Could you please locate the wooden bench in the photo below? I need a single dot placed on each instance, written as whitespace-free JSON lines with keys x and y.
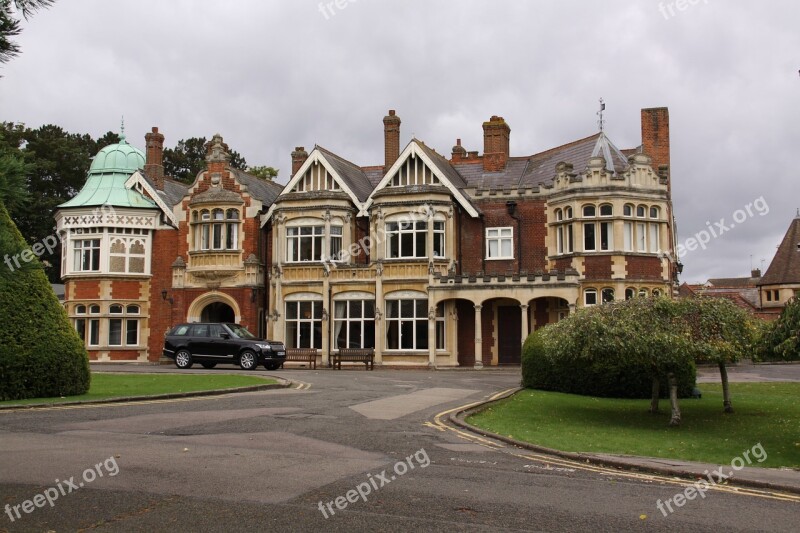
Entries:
{"x":351,"y":355}
{"x":302,"y":355}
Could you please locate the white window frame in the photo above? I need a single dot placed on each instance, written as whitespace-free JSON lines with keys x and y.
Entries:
{"x":496,"y":235}
{"x":586,"y":294}
{"x":418,"y":316}
{"x":342,"y":315}
{"x":440,"y":234}
{"x":399,"y":230}
{"x":314,"y":321}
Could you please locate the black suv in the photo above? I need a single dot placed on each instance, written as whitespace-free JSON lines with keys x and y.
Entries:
{"x":212,"y":343}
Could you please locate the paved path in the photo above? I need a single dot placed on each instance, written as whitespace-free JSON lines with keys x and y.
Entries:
{"x":356,"y":451}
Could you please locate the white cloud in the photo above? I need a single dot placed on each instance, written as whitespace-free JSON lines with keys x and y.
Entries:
{"x":271,"y":75}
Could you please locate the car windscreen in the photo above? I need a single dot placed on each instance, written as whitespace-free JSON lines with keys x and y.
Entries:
{"x":241,"y":331}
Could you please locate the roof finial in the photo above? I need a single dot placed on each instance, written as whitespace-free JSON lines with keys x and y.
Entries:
{"x":122,"y":130}
{"x":601,"y":122}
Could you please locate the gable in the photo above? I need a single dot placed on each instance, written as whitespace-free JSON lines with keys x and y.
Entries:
{"x":415,"y":167}
{"x":316,"y":178}
{"x":138,"y":182}
{"x":316,"y":174}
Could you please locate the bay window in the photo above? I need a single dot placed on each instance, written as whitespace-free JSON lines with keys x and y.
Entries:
{"x":407,"y":324}
{"x":354,"y":324}
{"x":304,"y":324}
{"x":407,"y":239}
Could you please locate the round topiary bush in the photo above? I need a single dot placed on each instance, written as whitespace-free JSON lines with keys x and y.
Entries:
{"x":614,"y":350}
{"x":41,"y":354}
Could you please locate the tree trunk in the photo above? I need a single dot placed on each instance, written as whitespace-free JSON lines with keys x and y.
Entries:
{"x":656,"y":393}
{"x":726,"y":391}
{"x":673,"y":400}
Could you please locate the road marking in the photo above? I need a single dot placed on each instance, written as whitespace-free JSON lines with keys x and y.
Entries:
{"x":440,"y":425}
{"x":394,"y":407}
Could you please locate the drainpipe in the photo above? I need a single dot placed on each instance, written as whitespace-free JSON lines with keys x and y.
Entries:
{"x":483,"y":245}
{"x":511,"y":206}
{"x":460,"y":243}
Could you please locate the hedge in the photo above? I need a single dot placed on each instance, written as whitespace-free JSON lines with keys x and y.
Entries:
{"x":41,"y":354}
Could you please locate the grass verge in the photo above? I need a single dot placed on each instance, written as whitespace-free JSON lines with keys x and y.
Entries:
{"x":106,"y":386}
{"x":768,"y":413}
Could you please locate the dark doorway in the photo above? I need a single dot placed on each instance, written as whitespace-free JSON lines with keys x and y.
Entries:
{"x":217,"y":312}
{"x":509,"y":335}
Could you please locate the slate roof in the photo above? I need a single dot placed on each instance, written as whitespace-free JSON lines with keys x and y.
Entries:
{"x":734,"y":283}
{"x":519,"y":172}
{"x":266,"y":191}
{"x":173,"y":192}
{"x":354,"y":176}
{"x":785,"y":266}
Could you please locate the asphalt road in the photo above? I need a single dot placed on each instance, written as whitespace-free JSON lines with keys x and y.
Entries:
{"x":278,"y":460}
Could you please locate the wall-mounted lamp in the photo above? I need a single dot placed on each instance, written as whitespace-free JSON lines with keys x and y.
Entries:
{"x":171,"y":300}
{"x":253,"y":293}
{"x":679,"y":266}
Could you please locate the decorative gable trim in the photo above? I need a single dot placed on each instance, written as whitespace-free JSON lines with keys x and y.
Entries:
{"x":137,"y":180}
{"x":316,"y":157}
{"x":413,"y":150}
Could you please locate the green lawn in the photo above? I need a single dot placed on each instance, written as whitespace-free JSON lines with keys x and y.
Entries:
{"x":768,"y":413}
{"x":106,"y":386}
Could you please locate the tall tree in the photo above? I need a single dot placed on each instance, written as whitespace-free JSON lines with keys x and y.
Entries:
{"x":56,"y":163}
{"x":10,"y":11}
{"x":188,"y":158}
{"x":263,"y":172}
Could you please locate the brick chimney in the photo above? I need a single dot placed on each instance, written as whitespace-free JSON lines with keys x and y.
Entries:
{"x":755,"y":273}
{"x":154,"y":158}
{"x":391,"y":138}
{"x":299,"y":157}
{"x":655,"y":139}
{"x":496,"y":136}
{"x":459,"y":152}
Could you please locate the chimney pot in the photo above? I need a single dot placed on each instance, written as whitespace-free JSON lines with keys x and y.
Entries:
{"x":496,"y":144}
{"x":154,"y":158}
{"x":299,"y":157}
{"x":391,"y":138}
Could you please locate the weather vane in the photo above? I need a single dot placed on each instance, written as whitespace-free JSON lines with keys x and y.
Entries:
{"x":122,"y":128}
{"x":601,"y":122}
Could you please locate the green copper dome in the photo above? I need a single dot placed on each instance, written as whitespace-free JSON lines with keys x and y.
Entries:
{"x":105,"y":184}
{"x":117,"y":158}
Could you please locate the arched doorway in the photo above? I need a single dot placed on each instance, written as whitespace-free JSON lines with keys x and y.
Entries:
{"x":217,"y":312}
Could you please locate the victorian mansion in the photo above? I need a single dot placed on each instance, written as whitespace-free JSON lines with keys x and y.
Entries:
{"x":431,"y":260}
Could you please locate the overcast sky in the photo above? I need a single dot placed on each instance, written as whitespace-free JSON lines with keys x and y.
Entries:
{"x":272,"y":75}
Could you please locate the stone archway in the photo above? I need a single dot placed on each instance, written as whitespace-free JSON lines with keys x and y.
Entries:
{"x":203,"y":308}
{"x":217,"y":312}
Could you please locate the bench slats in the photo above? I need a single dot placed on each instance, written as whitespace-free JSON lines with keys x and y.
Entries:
{"x":352,"y":355}
{"x":304,"y":355}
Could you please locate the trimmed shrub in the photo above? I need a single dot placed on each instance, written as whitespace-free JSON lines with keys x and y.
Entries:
{"x":593,"y":378}
{"x":613,"y":350}
{"x":780,"y":340}
{"x":41,"y":354}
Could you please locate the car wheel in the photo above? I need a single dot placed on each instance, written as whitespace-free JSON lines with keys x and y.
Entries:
{"x":183,"y":359}
{"x":272,"y":365}
{"x":248,"y":361}
{"x":209,"y":365}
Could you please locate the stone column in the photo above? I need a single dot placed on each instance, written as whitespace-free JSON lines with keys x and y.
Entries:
{"x":478,"y":340}
{"x":432,"y":337}
{"x":525,"y":323}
